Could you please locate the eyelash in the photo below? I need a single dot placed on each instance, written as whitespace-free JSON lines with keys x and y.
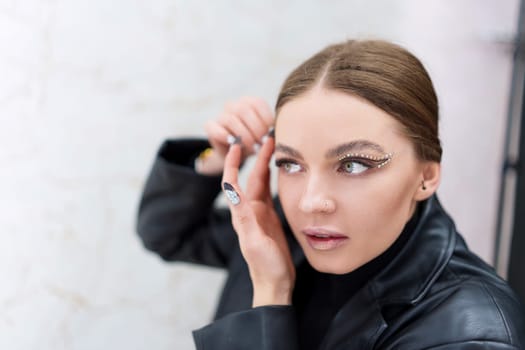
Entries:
{"x":352,"y":160}
{"x":365,"y":162}
{"x":282,"y":162}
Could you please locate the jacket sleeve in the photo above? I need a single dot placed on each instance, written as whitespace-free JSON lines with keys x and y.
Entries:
{"x":176,"y":216}
{"x":262,"y":328}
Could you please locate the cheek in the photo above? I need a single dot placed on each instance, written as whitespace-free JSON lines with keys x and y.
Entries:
{"x":365,"y":202}
{"x":383,"y":202}
{"x":374,"y":209}
{"x":289,"y":192}
{"x":382,"y":213}
{"x":399,"y":188}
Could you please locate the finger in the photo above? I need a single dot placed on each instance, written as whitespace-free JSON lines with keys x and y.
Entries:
{"x":242,"y":217}
{"x":232,"y":163}
{"x":235,"y":126}
{"x":255,"y":115}
{"x":259,"y":180}
{"x":256,"y":127}
{"x":217,"y":135}
{"x":251,"y":120}
{"x":263,"y":110}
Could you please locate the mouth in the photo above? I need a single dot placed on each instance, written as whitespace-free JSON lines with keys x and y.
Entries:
{"x":324,"y":239}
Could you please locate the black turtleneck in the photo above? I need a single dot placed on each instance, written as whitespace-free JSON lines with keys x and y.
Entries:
{"x":319,"y":296}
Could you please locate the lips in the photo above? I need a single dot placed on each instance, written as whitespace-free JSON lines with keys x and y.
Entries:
{"x":324,"y":239}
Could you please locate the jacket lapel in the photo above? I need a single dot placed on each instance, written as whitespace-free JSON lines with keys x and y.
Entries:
{"x":357,"y":325}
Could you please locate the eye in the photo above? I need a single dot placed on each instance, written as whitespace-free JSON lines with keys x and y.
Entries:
{"x":353,"y":167}
{"x":288,"y":166}
{"x":291,"y":168}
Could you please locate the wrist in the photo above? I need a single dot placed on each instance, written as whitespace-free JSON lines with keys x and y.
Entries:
{"x":271,"y":296}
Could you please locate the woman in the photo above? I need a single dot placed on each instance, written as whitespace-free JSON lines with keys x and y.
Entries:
{"x":356,"y":252}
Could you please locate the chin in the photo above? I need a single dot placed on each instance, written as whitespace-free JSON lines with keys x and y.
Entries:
{"x":331,"y":266}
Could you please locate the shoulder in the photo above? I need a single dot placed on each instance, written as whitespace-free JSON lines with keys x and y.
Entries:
{"x":464,"y":307}
{"x":483,"y":298}
{"x":480,"y":308}
{"x":443,"y":293}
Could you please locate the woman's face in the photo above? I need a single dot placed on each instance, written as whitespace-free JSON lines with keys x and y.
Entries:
{"x":347,"y":178}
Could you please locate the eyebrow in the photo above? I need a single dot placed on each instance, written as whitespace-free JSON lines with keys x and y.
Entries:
{"x":337,"y":151}
{"x":288,"y":150}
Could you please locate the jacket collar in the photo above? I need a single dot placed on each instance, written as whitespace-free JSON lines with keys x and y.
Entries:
{"x":411,"y":274}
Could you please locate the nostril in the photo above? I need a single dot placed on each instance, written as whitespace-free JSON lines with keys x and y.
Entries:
{"x":317,"y":205}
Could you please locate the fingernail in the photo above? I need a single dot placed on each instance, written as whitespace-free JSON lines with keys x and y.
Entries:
{"x":256,"y":147}
{"x":233,"y":140}
{"x":270,"y":133}
{"x":231,"y":194}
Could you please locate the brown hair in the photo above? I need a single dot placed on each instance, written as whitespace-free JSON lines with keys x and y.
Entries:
{"x":384,"y":74}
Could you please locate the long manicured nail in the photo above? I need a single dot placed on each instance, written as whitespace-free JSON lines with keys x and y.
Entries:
{"x":270,"y":133}
{"x":231,"y":194}
{"x":233,"y":140}
{"x":256,"y":147}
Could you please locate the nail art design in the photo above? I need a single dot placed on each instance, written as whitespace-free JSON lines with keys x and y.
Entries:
{"x":233,"y":140}
{"x":270,"y":133}
{"x":231,"y":194}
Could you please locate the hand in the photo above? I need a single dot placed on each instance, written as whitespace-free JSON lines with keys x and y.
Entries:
{"x":261,"y":237}
{"x":248,"y":118}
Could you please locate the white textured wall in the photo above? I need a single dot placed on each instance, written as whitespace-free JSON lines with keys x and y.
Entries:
{"x":89,"y":89}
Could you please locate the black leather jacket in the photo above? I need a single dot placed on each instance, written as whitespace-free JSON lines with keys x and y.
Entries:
{"x":435,"y":294}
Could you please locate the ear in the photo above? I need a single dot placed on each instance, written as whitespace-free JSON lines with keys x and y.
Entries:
{"x":429,"y":181}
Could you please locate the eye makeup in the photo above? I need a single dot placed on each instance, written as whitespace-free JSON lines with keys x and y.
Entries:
{"x":367,"y":160}
{"x":352,"y":164}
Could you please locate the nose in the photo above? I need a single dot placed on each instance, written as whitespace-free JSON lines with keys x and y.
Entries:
{"x":316,"y":197}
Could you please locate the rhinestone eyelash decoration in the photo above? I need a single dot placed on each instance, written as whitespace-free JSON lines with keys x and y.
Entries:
{"x":384,"y":160}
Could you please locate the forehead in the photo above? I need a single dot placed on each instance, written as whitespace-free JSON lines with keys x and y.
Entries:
{"x":321,"y":118}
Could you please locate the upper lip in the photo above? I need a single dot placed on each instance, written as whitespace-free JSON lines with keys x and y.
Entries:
{"x":321,"y":231}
